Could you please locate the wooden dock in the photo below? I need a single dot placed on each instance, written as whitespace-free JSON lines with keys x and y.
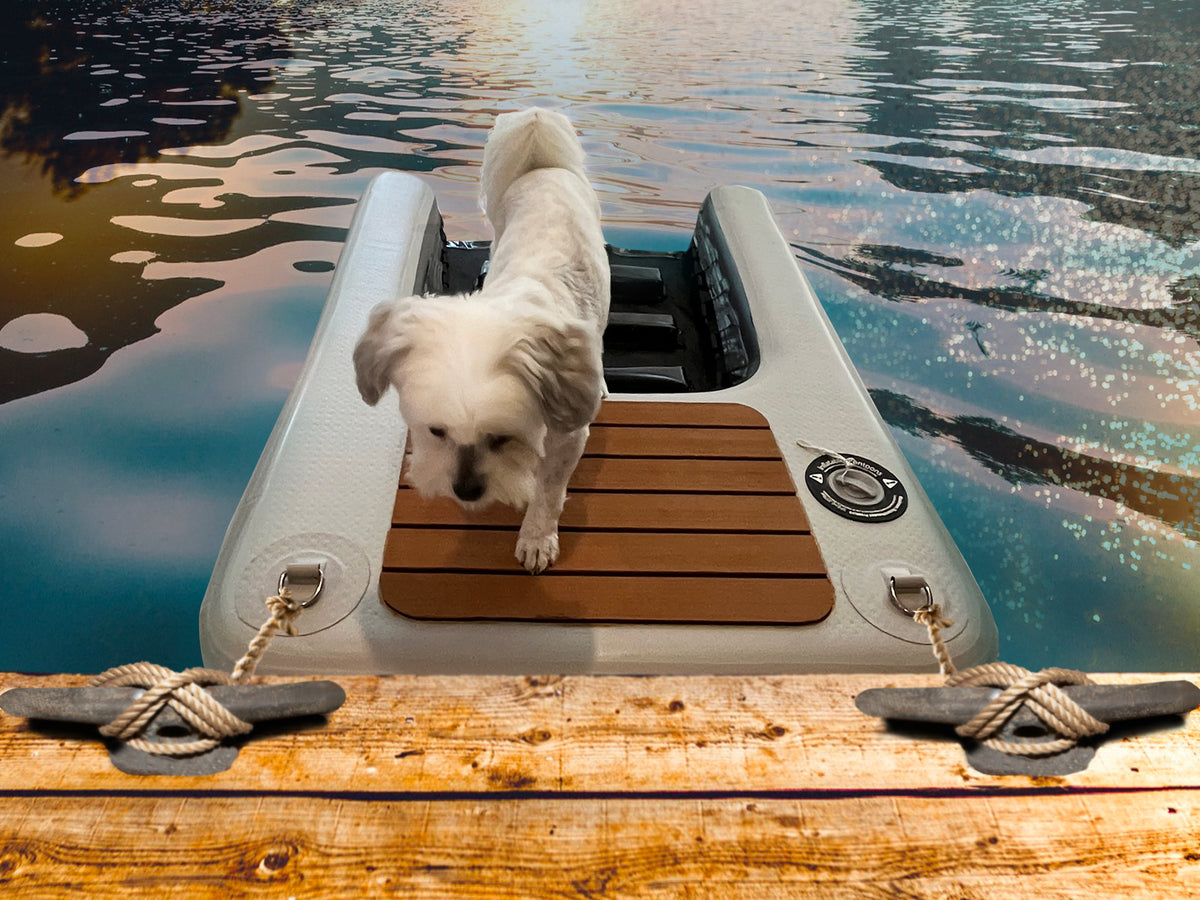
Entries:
{"x":600,"y":787}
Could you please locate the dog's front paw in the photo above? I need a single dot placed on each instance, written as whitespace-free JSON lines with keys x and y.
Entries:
{"x":537,"y":553}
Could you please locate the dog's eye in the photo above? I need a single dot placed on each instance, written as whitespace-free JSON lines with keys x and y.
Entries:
{"x":437,"y":431}
{"x":496,"y":441}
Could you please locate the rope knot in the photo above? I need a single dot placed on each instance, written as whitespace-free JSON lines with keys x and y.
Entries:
{"x":1037,"y":691}
{"x":284,"y":609}
{"x":931,"y":617}
{"x":184,"y":693}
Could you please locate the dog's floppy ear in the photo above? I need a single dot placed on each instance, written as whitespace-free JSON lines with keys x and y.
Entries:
{"x":380,"y":350}
{"x":561,"y":363}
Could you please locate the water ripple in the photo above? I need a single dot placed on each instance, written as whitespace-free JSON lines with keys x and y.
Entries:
{"x":999,"y":204}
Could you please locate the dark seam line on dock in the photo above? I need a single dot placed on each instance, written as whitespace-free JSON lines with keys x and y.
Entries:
{"x":578,"y":796}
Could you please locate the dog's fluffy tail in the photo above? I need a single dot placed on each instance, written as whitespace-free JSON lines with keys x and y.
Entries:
{"x":523,"y":141}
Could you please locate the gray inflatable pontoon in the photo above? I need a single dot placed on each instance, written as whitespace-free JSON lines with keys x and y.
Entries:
{"x":324,"y":490}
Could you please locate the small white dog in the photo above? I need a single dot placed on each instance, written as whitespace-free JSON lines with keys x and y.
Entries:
{"x":498,"y":387}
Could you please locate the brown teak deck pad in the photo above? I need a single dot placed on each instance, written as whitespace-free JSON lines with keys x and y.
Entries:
{"x":678,"y":512}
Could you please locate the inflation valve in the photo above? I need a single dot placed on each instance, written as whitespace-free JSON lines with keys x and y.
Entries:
{"x":856,"y":488}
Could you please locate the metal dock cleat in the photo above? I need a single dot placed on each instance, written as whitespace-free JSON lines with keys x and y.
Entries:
{"x":1026,"y":734}
{"x":174,"y":722}
{"x":161,"y":722}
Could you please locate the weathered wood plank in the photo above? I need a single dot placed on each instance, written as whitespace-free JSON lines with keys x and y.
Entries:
{"x":626,"y":598}
{"x":1140,"y":845}
{"x":629,"y":787}
{"x":464,"y":733}
{"x":609,"y":552}
{"x":646,"y":512}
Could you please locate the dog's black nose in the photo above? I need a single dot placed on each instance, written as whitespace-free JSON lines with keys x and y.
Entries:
{"x":468,"y":484}
{"x":469,"y":489}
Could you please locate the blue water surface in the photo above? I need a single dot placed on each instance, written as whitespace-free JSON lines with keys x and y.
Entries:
{"x":998,"y":204}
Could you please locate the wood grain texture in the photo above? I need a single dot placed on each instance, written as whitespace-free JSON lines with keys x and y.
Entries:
{"x":1045,"y":847}
{"x":718,"y":787}
{"x":595,"y":734}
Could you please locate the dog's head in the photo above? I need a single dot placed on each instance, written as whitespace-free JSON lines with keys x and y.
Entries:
{"x":479,"y":385}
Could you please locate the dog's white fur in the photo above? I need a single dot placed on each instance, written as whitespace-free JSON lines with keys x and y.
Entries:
{"x":498,"y":387}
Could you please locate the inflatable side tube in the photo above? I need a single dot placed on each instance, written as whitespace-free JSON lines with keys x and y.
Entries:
{"x":326,"y":479}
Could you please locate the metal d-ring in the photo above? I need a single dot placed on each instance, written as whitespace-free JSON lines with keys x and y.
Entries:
{"x":305,"y":574}
{"x":909,"y":584}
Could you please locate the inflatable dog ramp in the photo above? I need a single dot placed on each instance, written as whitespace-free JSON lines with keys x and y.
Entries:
{"x":741,"y":506}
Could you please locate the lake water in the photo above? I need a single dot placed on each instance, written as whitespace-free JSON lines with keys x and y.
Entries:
{"x":998,"y":204}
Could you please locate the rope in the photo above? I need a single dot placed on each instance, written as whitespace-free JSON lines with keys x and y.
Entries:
{"x":184,"y":692}
{"x":823,"y":451}
{"x":931,"y":617}
{"x":1039,"y":691}
{"x":283,"y":610}
{"x":847,"y":463}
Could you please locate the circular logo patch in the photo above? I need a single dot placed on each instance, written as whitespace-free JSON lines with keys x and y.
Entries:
{"x":862,"y":491}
